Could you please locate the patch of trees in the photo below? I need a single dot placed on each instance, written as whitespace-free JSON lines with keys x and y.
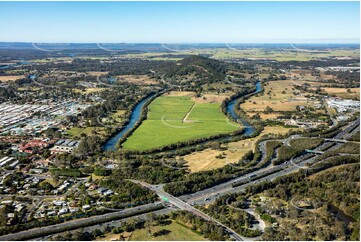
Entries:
{"x":335,"y":192}
{"x":126,"y":193}
{"x":68,"y":172}
{"x":88,"y":145}
{"x":298,"y":147}
{"x":207,"y":229}
{"x":235,"y":219}
{"x":7,"y":94}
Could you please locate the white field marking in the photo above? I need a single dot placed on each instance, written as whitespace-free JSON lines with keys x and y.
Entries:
{"x":232,"y":124}
{"x":174,"y":126}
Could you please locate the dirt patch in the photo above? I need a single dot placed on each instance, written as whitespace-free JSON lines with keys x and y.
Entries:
{"x":97,"y":73}
{"x":210,"y":98}
{"x":342,"y":92}
{"x":10,"y":78}
{"x":179,"y":94}
{"x":137,"y":79}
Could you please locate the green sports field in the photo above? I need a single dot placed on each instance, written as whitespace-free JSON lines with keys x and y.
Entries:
{"x":168,"y":123}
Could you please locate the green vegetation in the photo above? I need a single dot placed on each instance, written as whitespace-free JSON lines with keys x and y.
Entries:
{"x":70,"y":172}
{"x":168,"y":123}
{"x":169,"y":232}
{"x":350,"y":148}
{"x":298,"y":146}
{"x":271,"y":147}
{"x":79,"y":132}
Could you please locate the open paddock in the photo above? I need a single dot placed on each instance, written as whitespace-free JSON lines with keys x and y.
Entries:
{"x":207,"y":159}
{"x":137,"y":79}
{"x":10,"y":78}
{"x":346,"y":93}
{"x":279,"y":95}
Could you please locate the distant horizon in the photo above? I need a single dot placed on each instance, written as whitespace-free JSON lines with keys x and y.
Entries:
{"x":181,"y":43}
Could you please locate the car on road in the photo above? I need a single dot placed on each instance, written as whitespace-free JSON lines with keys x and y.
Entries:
{"x":207,"y":199}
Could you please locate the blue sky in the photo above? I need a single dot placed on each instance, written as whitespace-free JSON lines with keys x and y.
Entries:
{"x":175,"y":22}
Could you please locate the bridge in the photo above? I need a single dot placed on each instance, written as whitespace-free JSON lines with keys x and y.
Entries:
{"x":337,"y":140}
{"x":185,"y":206}
{"x":315,"y":152}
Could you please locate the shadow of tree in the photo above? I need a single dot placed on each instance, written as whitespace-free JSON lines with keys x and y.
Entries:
{"x":164,"y":222}
{"x":161,"y":232}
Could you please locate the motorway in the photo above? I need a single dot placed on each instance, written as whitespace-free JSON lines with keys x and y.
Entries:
{"x":199,"y":198}
{"x":185,"y":206}
{"x":83,"y":222}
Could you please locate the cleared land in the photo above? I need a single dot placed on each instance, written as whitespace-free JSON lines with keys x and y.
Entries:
{"x":10,"y":78}
{"x":293,"y":52}
{"x":207,"y":160}
{"x":278,"y":95}
{"x":170,"y":232}
{"x":164,"y":124}
{"x":343,"y":92}
{"x":90,"y":90}
{"x":137,"y":79}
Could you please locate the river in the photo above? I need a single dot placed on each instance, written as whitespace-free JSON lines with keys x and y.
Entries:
{"x":248,"y":129}
{"x":15,"y":64}
{"x":134,"y":117}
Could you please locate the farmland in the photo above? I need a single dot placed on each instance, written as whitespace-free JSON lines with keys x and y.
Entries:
{"x":173,"y":119}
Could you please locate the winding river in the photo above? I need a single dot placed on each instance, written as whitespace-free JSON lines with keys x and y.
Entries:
{"x":248,"y":129}
{"x":111,"y":143}
{"x":134,"y":117}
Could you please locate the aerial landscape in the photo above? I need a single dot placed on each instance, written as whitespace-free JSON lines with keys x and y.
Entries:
{"x":180,"y":121}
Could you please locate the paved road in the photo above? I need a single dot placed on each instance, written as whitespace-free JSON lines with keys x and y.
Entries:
{"x":113,"y":223}
{"x":84,"y":222}
{"x":185,"y":206}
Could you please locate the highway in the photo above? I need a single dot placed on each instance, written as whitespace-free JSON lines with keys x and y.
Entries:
{"x":79,"y":223}
{"x":185,"y":206}
{"x":187,"y":202}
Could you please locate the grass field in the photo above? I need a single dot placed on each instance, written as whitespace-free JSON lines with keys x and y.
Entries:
{"x":280,"y":98}
{"x":10,"y":78}
{"x":206,"y":159}
{"x":342,"y":92}
{"x":137,"y":79}
{"x":173,"y":119}
{"x":292,"y":52}
{"x":75,"y":131}
{"x":171,"y":232}
{"x":284,"y":54}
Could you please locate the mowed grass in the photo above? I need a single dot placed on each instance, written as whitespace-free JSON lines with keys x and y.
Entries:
{"x":165,"y":125}
{"x":171,"y":232}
